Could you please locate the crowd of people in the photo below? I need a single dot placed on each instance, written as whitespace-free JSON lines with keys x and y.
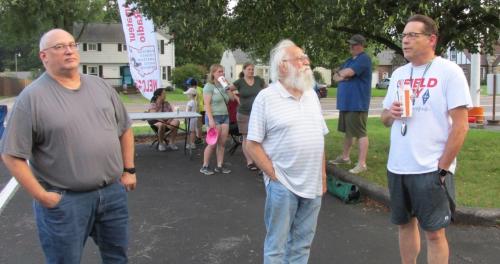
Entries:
{"x":86,"y":114}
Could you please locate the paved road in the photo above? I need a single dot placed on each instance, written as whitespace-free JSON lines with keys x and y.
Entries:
{"x":181,"y":216}
{"x":329,"y":106}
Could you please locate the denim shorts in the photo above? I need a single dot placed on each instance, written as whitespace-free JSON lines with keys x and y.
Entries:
{"x":219,"y":119}
{"x":422,"y":196}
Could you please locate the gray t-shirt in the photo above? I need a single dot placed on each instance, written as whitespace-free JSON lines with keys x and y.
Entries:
{"x":71,"y":137}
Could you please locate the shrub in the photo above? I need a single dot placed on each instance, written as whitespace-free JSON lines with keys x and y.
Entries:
{"x":182,"y":73}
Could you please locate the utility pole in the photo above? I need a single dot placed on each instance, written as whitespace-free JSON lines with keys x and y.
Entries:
{"x":17,"y":54}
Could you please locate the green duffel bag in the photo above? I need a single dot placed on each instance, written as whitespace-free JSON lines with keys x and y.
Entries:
{"x":347,"y":192}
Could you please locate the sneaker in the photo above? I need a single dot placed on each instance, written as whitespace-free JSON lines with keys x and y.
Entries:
{"x":173,"y":147}
{"x":162,"y":147}
{"x":190,"y":146}
{"x":206,"y":170}
{"x":222,"y":170}
{"x":358,"y":169}
{"x":339,"y":160}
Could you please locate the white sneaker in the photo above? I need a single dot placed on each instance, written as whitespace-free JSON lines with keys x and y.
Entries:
{"x":162,"y":147}
{"x":358,"y":169}
{"x":173,"y":147}
{"x":190,"y":146}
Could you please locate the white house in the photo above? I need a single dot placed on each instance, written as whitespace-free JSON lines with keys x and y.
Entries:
{"x":326,"y":74}
{"x":233,"y":60}
{"x":103,"y":53}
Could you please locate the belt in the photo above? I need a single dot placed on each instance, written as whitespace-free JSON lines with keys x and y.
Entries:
{"x":103,"y":184}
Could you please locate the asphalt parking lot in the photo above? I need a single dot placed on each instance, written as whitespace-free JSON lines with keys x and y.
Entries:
{"x":181,"y":216}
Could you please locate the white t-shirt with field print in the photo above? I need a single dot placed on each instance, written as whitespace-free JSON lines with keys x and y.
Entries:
{"x":442,"y":88}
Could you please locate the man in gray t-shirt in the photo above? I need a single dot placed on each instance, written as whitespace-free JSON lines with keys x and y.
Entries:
{"x":77,"y":136}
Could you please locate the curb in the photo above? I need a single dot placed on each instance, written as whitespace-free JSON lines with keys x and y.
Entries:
{"x":463,"y":215}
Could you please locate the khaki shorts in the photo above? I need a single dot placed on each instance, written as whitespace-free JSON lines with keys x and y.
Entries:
{"x":353,"y":124}
{"x":243,"y":123}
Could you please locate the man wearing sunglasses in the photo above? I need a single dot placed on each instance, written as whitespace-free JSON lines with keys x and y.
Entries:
{"x":77,"y":136}
{"x":424,"y":145}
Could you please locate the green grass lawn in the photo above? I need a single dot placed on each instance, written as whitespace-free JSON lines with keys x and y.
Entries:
{"x":477,"y":178}
{"x":332,"y":92}
{"x":172,"y":96}
{"x":133,"y":99}
{"x":176,"y":96}
{"x":146,"y":129}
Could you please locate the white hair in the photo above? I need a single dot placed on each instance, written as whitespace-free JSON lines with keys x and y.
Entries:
{"x":277,"y":55}
{"x":300,"y":79}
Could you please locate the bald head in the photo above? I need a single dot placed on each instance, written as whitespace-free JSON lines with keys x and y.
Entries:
{"x":59,"y":53}
{"x":52,"y":36}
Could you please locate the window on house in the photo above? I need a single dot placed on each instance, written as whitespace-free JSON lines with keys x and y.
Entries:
{"x":122,"y":47}
{"x":92,"y":46}
{"x":163,"y":73}
{"x":93,"y":70}
{"x":169,"y":73}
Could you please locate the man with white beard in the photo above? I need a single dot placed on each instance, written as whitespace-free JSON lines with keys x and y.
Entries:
{"x":286,"y":141}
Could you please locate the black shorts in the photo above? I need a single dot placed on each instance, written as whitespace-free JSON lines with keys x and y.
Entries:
{"x":421,"y":196}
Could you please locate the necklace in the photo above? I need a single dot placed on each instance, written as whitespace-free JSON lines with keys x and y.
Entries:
{"x":415,"y":94}
{"x":419,"y":88}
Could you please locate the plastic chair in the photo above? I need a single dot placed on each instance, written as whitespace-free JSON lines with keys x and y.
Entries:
{"x":155,"y":142}
{"x":3,"y":115}
{"x":235,"y":136}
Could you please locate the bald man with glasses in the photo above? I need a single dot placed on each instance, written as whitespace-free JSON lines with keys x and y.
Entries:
{"x":77,"y":136}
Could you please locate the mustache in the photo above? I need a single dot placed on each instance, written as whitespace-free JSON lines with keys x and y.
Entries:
{"x":305,"y":69}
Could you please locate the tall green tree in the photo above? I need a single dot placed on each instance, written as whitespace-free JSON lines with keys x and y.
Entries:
{"x":198,"y":27}
{"x":322,"y":26}
{"x":23,"y":22}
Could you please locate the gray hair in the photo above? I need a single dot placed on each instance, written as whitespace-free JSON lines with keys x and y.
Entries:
{"x":43,"y":41}
{"x":277,"y":55}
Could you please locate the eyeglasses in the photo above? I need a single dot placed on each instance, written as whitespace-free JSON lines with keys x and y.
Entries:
{"x":62,"y":47}
{"x":303,"y":58}
{"x":413,"y":35}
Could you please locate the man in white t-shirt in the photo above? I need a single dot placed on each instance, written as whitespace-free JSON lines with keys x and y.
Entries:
{"x":286,"y":141}
{"x":424,"y":146}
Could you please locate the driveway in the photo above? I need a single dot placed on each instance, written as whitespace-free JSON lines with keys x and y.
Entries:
{"x":180,"y":216}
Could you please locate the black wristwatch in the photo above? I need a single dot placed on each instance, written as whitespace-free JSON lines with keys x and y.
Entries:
{"x":442,"y":172}
{"x":129,"y":170}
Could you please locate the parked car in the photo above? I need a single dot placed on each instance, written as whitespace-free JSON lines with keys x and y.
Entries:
{"x":383,"y":84}
{"x":321,"y":90}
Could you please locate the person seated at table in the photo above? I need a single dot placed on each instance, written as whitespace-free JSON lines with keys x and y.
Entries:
{"x":158,"y":104}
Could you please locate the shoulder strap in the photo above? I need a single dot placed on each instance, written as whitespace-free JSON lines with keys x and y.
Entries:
{"x":224,"y":98}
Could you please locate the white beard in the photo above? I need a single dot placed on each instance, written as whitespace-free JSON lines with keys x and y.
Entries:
{"x":300,"y":79}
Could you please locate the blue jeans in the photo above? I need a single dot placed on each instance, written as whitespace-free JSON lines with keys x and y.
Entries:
{"x":290,"y":223}
{"x":102,"y":214}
